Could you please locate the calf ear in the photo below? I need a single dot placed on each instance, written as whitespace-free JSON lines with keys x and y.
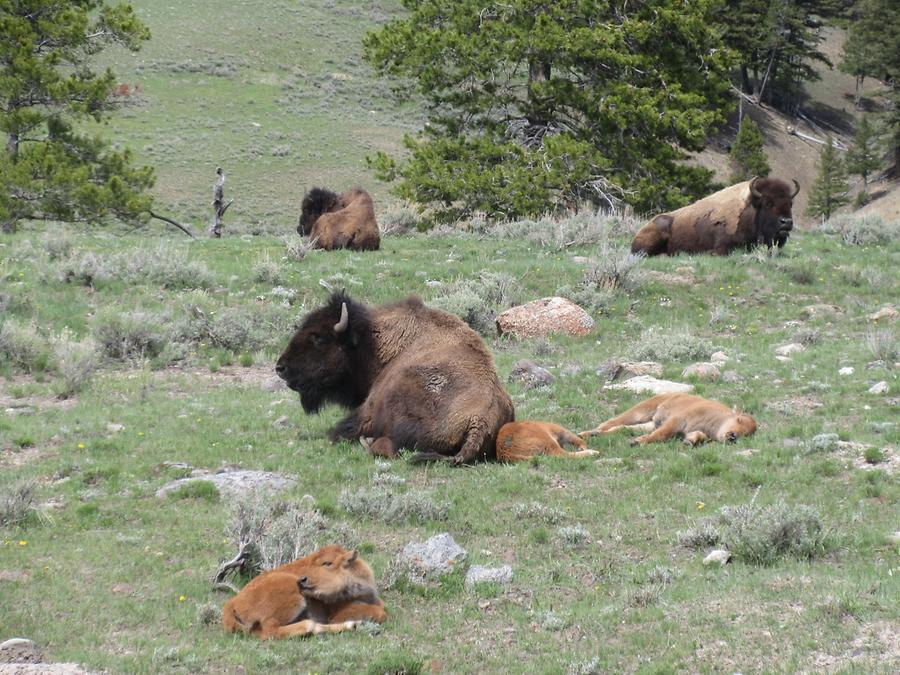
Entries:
{"x":352,"y":558}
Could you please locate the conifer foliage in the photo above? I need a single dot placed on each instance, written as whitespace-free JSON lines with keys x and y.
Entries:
{"x":829,"y":191}
{"x":748,"y":159}
{"x":49,"y":168}
{"x":535,"y":104}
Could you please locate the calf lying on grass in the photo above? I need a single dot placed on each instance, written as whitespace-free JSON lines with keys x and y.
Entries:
{"x":692,"y":418}
{"x":330,"y":591}
{"x":518,"y":441}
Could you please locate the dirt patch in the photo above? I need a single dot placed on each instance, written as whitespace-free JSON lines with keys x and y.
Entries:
{"x":875,"y":649}
{"x":795,"y":404}
{"x":854,"y":453}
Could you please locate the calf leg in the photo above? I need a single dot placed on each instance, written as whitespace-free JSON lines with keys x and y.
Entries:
{"x":695,"y":438}
{"x":566,"y":436}
{"x":663,"y":432}
{"x":379,"y":447}
{"x":306,"y":627}
{"x":359,"y":611}
{"x":639,"y":417}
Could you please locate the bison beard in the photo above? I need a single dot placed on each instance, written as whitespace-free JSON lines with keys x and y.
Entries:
{"x":415,"y":377}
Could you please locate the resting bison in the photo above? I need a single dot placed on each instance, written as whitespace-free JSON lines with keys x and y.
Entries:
{"x":330,"y":591}
{"x":519,"y":441}
{"x":743,"y":215}
{"x":415,"y":377}
{"x":346,"y":220}
{"x":693,"y":418}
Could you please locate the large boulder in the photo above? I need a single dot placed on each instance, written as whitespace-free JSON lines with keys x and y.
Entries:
{"x":646,"y":383}
{"x":543,"y":317}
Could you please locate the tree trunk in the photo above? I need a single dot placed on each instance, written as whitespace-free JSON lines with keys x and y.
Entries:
{"x":12,"y":144}
{"x":746,"y":85}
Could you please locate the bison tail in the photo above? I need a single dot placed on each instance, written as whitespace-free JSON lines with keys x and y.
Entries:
{"x":425,"y":457}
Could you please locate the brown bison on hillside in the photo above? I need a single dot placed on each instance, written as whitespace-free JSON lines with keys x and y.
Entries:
{"x":345,"y":220}
{"x":740,"y":216}
{"x":415,"y":377}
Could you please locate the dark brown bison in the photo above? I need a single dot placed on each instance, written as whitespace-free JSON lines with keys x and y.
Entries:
{"x":415,"y":377}
{"x":740,"y":216}
{"x":345,"y":220}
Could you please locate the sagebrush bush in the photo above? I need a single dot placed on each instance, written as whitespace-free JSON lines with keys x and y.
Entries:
{"x":296,"y":247}
{"x":883,"y":344}
{"x":267,"y":271}
{"x":18,"y":503}
{"x":398,"y":220}
{"x":164,"y":266}
{"x":389,"y":506}
{"x":862,"y":230}
{"x":77,"y":361}
{"x":57,"y":245}
{"x":672,"y":344}
{"x":87,"y":269}
{"x":24,"y":348}
{"x":538,"y":511}
{"x":126,"y":335}
{"x":560,"y":233}
{"x":479,"y":301}
{"x":762,"y":535}
{"x":574,"y":535}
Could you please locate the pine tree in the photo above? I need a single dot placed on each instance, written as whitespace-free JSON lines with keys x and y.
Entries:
{"x":49,"y":169}
{"x":748,"y":159}
{"x":863,"y":155}
{"x":541,"y":104}
{"x":829,"y":191}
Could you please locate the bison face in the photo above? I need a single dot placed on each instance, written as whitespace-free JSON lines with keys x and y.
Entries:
{"x":326,"y":359}
{"x":738,"y":426}
{"x":315,"y":202}
{"x":773,"y":200}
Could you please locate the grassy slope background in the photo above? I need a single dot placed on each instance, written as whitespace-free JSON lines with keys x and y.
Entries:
{"x":115,"y":578}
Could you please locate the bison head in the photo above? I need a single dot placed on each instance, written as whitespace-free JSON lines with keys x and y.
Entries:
{"x":315,"y":202}
{"x":773,"y":200}
{"x":329,"y":358}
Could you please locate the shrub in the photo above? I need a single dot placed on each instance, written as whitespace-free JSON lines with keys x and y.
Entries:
{"x":384,"y":504}
{"x":560,"y":233}
{"x":128,"y":335}
{"x":76,"y":364}
{"x":17,"y":503}
{"x":823,"y":443}
{"x":863,"y":230}
{"x":762,"y":535}
{"x":24,"y":348}
{"x":883,"y":344}
{"x":398,"y":220}
{"x":678,"y":344}
{"x":57,"y":245}
{"x":297,"y":247}
{"x":538,"y":511}
{"x":477,"y":302}
{"x":267,"y":271}
{"x":874,"y":455}
{"x":573,"y":536}
{"x":165,"y":266}
{"x":396,"y":663}
{"x":87,"y":269}
{"x":197,"y":489}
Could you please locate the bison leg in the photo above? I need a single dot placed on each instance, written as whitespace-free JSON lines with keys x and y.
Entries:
{"x":306,"y":627}
{"x":640,"y":417}
{"x":476,"y":435}
{"x":347,"y":429}
{"x":379,"y":447}
{"x":695,"y":438}
{"x":359,"y":611}
{"x":664,"y":432}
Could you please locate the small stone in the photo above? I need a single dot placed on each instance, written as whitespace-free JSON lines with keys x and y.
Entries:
{"x":702,"y":371}
{"x":274,"y":383}
{"x":749,"y":452}
{"x":14,"y":575}
{"x":886,"y":312}
{"x":815,"y":311}
{"x":879,"y":388}
{"x":282,"y":422}
{"x":114,"y":428}
{"x":792,"y":348}
{"x":645,"y":383}
{"x":438,"y":556}
{"x":731,"y":377}
{"x":623,"y":370}
{"x":433,"y":283}
{"x":123,"y":589}
{"x":719,"y":357}
{"x":894,"y":538}
{"x":531,"y":374}
{"x":846,"y":370}
{"x":478,"y":574}
{"x":718,"y":556}
{"x":781,"y":358}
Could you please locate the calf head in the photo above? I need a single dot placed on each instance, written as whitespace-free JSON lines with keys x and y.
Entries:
{"x":333,"y":574}
{"x":316,"y":202}
{"x":773,"y":200}
{"x":735,"y":427}
{"x":329,"y":357}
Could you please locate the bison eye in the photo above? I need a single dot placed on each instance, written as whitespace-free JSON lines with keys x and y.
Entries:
{"x":317,"y":340}
{"x":327,"y":563}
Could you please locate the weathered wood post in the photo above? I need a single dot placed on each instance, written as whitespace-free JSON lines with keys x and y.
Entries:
{"x":219,"y":205}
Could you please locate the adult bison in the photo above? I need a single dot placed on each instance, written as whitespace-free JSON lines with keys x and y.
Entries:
{"x":415,"y":377}
{"x":743,"y":215}
{"x":345,"y":220}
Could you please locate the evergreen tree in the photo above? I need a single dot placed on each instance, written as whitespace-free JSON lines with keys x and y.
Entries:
{"x":536,"y":104}
{"x":863,"y":155}
{"x":748,"y":159}
{"x":49,"y":169}
{"x":829,"y":191}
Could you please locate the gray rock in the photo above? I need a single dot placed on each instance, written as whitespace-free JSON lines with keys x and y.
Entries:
{"x":478,"y":574}
{"x":436,"y":557}
{"x":19,"y":650}
{"x":234,"y":482}
{"x":717,"y":557}
{"x":879,"y":388}
{"x":702,"y":371}
{"x":846,"y":370}
{"x":719,"y":358}
{"x":114,"y":428}
{"x":646,"y":383}
{"x":543,"y":317}
{"x":731,"y":377}
{"x":623,"y":370}
{"x":531,"y":374}
{"x":792,"y":348}
{"x":274,"y":383}
{"x":282,"y":422}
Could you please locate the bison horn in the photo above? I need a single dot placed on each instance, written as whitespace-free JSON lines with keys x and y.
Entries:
{"x":341,"y":325}
{"x":796,"y":185}
{"x":753,"y":191}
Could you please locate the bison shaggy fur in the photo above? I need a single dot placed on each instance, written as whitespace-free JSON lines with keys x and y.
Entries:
{"x":741,"y":216}
{"x":415,"y":377}
{"x":345,"y":220}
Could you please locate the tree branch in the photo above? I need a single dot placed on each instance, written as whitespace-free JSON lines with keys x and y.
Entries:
{"x":176,"y":224}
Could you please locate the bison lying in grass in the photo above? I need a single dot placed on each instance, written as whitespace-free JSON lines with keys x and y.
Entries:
{"x":415,"y":377}
{"x":345,"y":220}
{"x":740,"y":216}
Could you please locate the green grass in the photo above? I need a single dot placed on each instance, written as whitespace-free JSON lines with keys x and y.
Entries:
{"x":104,"y":526}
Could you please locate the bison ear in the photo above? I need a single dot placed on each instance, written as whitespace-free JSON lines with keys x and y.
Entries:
{"x":352,"y":558}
